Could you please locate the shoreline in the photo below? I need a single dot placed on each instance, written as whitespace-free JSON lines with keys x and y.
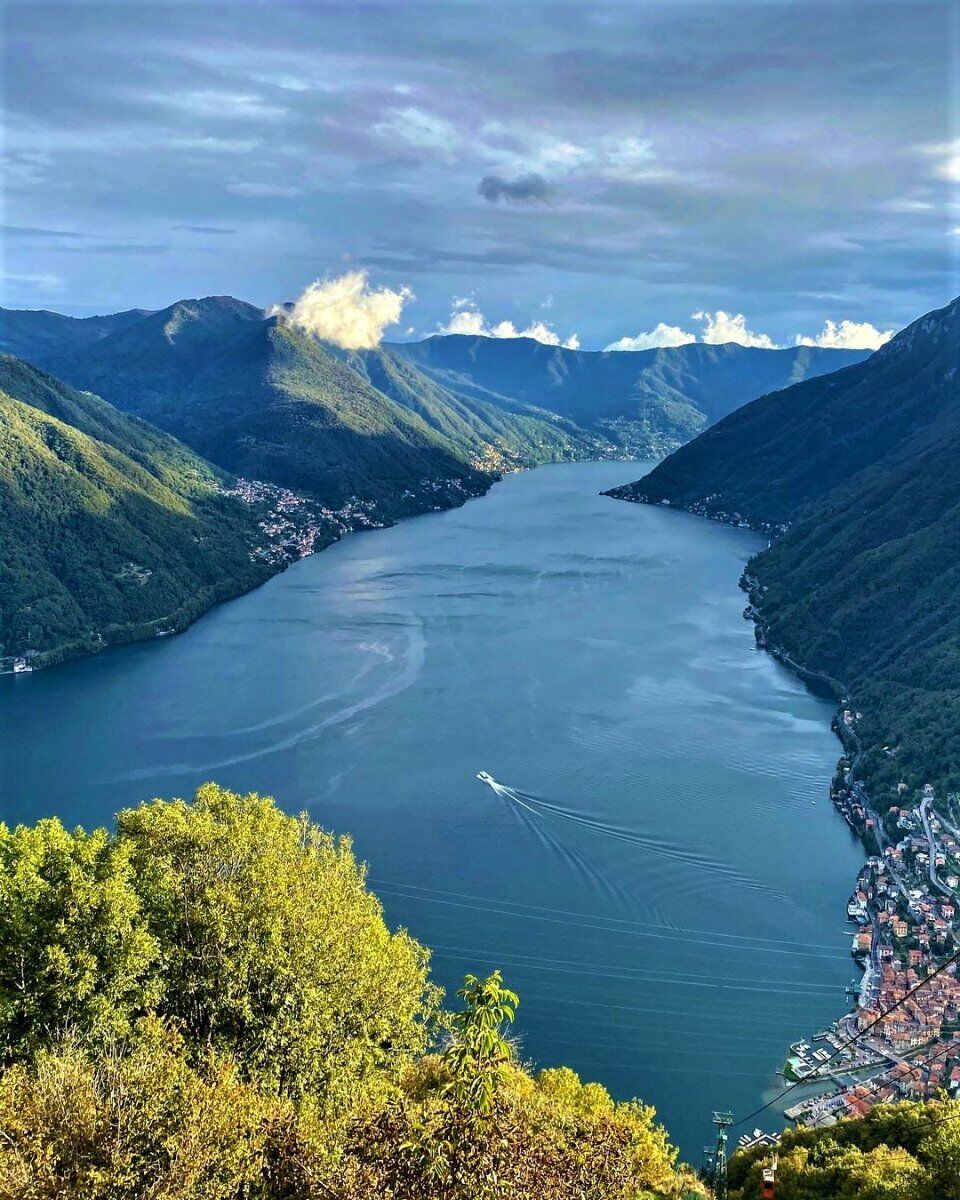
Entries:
{"x":330,"y":527}
{"x":892,"y":942}
{"x":355,"y":516}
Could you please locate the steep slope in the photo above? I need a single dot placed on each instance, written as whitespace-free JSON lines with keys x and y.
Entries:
{"x":500,"y":429}
{"x":787,"y":450}
{"x":40,"y":337}
{"x":263,"y":399}
{"x":109,"y":530}
{"x":647,"y":402}
{"x":861,"y":467}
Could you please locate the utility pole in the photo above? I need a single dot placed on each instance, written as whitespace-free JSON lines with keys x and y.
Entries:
{"x":723,"y":1121}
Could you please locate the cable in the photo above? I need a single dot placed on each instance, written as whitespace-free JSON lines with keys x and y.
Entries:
{"x":941,"y":1051}
{"x":619,"y":925}
{"x":851,"y":1041}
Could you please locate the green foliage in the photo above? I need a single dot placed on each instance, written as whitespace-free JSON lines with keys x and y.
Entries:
{"x":76,"y":952}
{"x":272,"y":948}
{"x":898,"y":1152}
{"x":207,"y":1005}
{"x":133,"y":1121}
{"x":479,"y":1053}
{"x":548,"y":1137}
{"x":250,"y":930}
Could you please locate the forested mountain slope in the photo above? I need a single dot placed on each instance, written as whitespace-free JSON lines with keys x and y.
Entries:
{"x":109,"y":529}
{"x":264,"y":399}
{"x":788,"y":450}
{"x":504,"y":429}
{"x":40,"y":336}
{"x":509,"y":401}
{"x":647,"y":402}
{"x":863,"y":587}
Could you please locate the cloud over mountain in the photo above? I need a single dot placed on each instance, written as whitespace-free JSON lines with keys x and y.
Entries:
{"x":346,"y":311}
{"x":466,"y":318}
{"x":848,"y":335}
{"x":661,"y":335}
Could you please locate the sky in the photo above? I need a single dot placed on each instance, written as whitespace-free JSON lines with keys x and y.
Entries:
{"x":594,"y":174}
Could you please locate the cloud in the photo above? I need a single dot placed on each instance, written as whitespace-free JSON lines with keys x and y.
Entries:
{"x":660,"y":335}
{"x":848,"y":335}
{"x":212,"y":229}
{"x":265,"y":190}
{"x":31,"y":231}
{"x":346,"y":311}
{"x":466,"y":318}
{"x":425,"y":131}
{"x":213,"y":103}
{"x":906,"y":204}
{"x":721,"y":327}
{"x":523,"y":189}
{"x":949,"y":154}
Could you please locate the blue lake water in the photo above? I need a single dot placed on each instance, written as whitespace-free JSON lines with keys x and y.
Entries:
{"x":661,"y":876}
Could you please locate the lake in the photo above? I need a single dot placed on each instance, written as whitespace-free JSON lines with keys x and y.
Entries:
{"x":659,"y":873}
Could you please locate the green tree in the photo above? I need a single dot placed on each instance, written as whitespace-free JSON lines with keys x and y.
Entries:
{"x":74,"y":950}
{"x":272,"y":948}
{"x":133,"y":1120}
{"x":479,"y":1052}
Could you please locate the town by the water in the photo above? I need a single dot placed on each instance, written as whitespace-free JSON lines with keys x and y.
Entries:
{"x":904,"y":909}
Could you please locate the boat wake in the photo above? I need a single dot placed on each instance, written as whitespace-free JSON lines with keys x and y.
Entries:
{"x":590,"y":823}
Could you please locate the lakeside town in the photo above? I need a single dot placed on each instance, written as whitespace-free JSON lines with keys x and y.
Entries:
{"x":905,"y":910}
{"x":295,"y":526}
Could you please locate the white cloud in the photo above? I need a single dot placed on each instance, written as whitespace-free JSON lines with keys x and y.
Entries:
{"x":212,"y":103}
{"x":721,"y":327}
{"x":47,"y":283}
{"x":848,"y":335}
{"x":346,"y":311}
{"x":628,"y":151}
{"x":466,"y":318}
{"x":906,"y":204}
{"x":949,"y":155}
{"x":426,"y":131}
{"x":262,"y":189}
{"x":562,"y":156}
{"x":660,"y":335}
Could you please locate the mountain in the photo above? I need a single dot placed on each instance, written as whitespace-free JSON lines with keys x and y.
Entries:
{"x":489,"y":402}
{"x":646,"y":403}
{"x":109,"y":529}
{"x":859,"y":469}
{"x":263,"y":399}
{"x":40,"y":336}
{"x":500,"y":429}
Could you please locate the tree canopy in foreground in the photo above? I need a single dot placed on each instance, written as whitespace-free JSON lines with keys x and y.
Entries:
{"x":207,"y":1004}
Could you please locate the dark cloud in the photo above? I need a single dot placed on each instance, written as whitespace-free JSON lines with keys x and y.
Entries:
{"x":211,"y":229}
{"x":523,"y":190}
